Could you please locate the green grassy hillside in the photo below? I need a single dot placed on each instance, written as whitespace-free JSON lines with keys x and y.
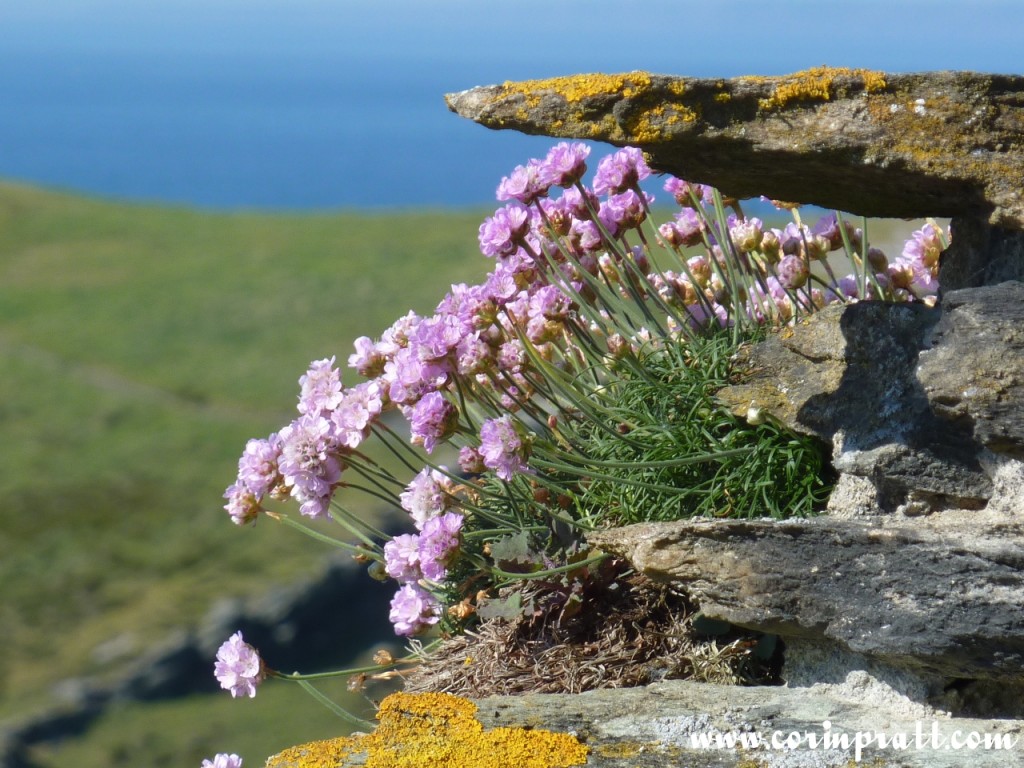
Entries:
{"x":141,"y":347}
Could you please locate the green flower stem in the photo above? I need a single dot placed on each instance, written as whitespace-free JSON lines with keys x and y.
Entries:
{"x":341,"y":712}
{"x":347,"y":521}
{"x":550,"y":571}
{"x":377,"y":491}
{"x":650,"y":289}
{"x":323,"y":537}
{"x":680,"y":462}
{"x":491,"y":533}
{"x":370,"y":465}
{"x":603,"y":294}
{"x":357,"y":522}
{"x":464,"y":406}
{"x":589,"y":474}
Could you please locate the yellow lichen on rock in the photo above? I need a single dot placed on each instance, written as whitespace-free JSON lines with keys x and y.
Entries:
{"x":438,"y":730}
{"x":316,"y":754}
{"x":575,"y":88}
{"x":818,"y":84}
{"x":645,"y":125}
{"x":651,"y":126}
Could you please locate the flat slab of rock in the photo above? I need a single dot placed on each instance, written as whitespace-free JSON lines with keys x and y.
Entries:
{"x":656,"y":726}
{"x":871,"y":143}
{"x":944,"y":599}
{"x":700,"y":725}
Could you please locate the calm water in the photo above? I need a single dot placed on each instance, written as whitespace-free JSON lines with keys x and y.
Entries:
{"x":317,"y":104}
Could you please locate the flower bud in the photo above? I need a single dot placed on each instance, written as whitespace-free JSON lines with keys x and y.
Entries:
{"x":878,"y":260}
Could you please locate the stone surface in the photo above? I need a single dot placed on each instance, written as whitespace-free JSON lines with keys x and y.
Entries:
{"x":972,"y":372}
{"x":942,"y":598}
{"x":871,"y":143}
{"x":656,"y":726}
{"x":924,"y":402}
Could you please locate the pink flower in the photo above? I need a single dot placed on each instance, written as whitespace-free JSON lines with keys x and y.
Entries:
{"x":413,"y":609}
{"x":793,"y":271}
{"x":368,"y":360}
{"x":684,"y":192}
{"x":402,"y":558}
{"x":308,"y":463}
{"x":503,"y":233}
{"x":470,"y":460}
{"x":359,"y":408}
{"x":238,"y":668}
{"x":438,"y":544}
{"x":623,"y":211}
{"x":243,"y":506}
{"x":427,"y":496}
{"x":523,"y":184}
{"x":564,"y":165}
{"x":620,"y":171}
{"x":257,"y":468}
{"x":432,"y":420}
{"x":222,"y":760}
{"x":321,"y":388}
{"x":502,"y":447}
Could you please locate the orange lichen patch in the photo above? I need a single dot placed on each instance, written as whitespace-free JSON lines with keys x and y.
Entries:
{"x":316,"y":754}
{"x":646,"y":125}
{"x":575,"y":88}
{"x":438,"y":730}
{"x":819,"y":84}
{"x":441,"y":731}
{"x":651,"y":125}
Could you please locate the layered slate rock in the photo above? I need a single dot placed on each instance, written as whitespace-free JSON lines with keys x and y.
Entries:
{"x":871,"y":143}
{"x":941,"y":600}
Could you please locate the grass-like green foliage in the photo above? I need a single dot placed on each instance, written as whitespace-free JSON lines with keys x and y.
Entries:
{"x":142,"y":346}
{"x":670,"y":414}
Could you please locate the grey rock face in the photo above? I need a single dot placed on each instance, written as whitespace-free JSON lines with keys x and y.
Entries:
{"x":662,"y":724}
{"x":904,"y":595}
{"x":972,"y":372}
{"x":923,"y":402}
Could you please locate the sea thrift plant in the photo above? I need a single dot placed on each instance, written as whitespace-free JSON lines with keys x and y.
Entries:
{"x":575,"y":384}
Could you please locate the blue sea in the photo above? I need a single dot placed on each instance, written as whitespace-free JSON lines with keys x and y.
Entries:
{"x":326,"y":104}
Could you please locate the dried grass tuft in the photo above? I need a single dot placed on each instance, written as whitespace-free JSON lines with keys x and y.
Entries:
{"x":638,"y":632}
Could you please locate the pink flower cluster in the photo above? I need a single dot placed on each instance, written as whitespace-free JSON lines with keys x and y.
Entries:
{"x":238,"y":668}
{"x":560,"y":250}
{"x":412,"y":559}
{"x":304,"y":460}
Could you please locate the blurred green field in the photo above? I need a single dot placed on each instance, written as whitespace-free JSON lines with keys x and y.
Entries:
{"x":141,"y":347}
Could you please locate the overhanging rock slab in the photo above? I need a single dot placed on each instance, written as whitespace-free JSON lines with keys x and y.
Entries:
{"x":871,"y":143}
